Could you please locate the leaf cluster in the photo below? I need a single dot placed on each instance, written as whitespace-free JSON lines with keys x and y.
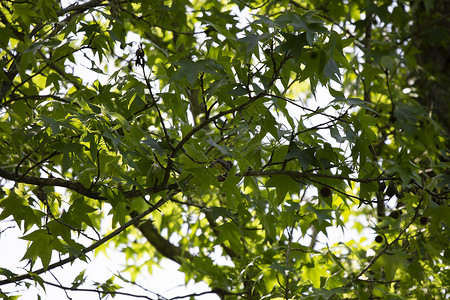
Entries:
{"x":197,"y":131}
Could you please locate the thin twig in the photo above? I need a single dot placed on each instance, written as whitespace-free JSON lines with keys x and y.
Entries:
{"x":147,"y":82}
{"x":71,"y":258}
{"x":306,"y":175}
{"x":54,"y":153}
{"x":379,"y":254}
{"x":99,"y":291}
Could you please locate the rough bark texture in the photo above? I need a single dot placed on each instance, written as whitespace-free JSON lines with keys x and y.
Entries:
{"x":432,"y":79}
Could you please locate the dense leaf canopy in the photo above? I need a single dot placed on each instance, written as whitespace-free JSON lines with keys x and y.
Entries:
{"x":198,"y":131}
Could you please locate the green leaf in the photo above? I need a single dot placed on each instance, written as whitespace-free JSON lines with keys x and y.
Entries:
{"x":68,"y":147}
{"x":7,"y":273}
{"x":79,"y":280}
{"x":217,"y":212}
{"x":314,"y":275}
{"x":438,"y":216}
{"x":195,"y":153}
{"x":387,"y":62}
{"x":294,"y":44}
{"x":155,"y":175}
{"x":16,"y":205}
{"x":306,"y":157}
{"x":40,"y":246}
{"x":335,"y":259}
{"x":331,"y":70}
{"x":190,"y":70}
{"x":283,"y":185}
{"x":178,"y":106}
{"x":308,"y":22}
{"x":416,"y":271}
{"x":79,"y":213}
{"x":269,"y":222}
{"x":37,"y":279}
{"x":149,"y":141}
{"x":77,"y":118}
{"x":323,"y":293}
{"x":322,"y":214}
{"x":249,"y":43}
{"x":392,"y":262}
{"x":226,"y":33}
{"x":334,"y":132}
{"x":360,"y":103}
{"x":230,"y":233}
{"x":222,"y":149}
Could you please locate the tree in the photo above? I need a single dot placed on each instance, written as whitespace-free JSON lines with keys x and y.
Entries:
{"x":202,"y":131}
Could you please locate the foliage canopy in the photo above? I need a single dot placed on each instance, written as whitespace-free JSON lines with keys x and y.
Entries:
{"x":195,"y":131}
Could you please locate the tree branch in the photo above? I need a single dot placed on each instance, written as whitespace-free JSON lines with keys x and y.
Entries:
{"x":72,"y":185}
{"x":306,"y":175}
{"x":80,"y":8}
{"x":99,"y":291}
{"x":161,"y":244}
{"x":379,"y":254}
{"x":197,"y":128}
{"x":220,"y":292}
{"x":135,"y":220}
{"x":78,"y":187}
